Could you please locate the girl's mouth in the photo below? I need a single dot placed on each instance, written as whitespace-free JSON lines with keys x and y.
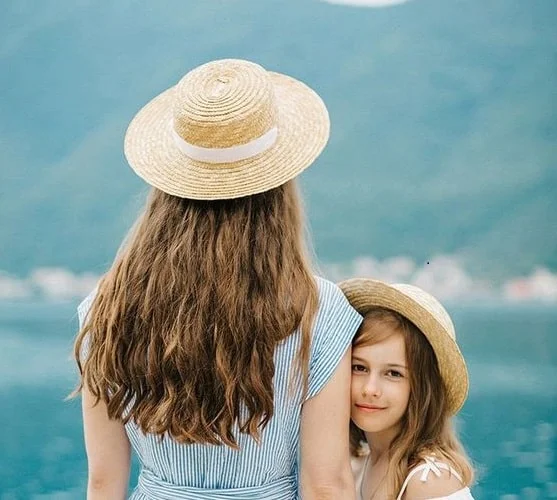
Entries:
{"x":369,"y":408}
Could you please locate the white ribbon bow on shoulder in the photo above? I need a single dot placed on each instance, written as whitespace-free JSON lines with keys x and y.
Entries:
{"x":430,"y":466}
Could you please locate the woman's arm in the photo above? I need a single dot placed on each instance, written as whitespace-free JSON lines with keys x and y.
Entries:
{"x":325,"y":457}
{"x":108,"y":452}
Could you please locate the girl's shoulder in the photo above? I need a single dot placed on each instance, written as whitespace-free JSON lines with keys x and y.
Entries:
{"x":434,"y":479}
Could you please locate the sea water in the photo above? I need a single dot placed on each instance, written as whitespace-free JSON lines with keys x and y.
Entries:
{"x":508,"y":423}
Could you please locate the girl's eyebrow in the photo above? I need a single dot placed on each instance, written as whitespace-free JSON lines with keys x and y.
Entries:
{"x":356,"y":358}
{"x":396,"y":365}
{"x":389,"y":365}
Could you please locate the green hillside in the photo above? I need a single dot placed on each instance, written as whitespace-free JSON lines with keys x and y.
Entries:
{"x":444,"y":124}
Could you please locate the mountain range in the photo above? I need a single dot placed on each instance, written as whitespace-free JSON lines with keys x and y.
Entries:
{"x":443,"y":137}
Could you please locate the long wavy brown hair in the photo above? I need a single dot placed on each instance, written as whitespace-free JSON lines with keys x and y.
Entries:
{"x":181,"y":335}
{"x":427,"y":427}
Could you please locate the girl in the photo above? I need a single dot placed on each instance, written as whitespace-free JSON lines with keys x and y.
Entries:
{"x":408,"y":379}
{"x":209,"y":348}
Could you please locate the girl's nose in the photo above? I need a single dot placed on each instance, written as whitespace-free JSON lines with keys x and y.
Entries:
{"x":372,"y":386}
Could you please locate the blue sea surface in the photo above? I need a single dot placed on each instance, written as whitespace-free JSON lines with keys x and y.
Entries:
{"x":508,"y":423}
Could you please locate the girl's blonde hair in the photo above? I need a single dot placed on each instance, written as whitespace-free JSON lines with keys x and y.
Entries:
{"x":181,"y":335}
{"x":427,"y":426}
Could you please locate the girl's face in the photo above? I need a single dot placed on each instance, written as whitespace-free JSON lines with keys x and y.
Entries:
{"x":380,"y":384}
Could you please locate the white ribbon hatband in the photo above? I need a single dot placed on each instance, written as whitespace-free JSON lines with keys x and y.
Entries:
{"x":227,"y":155}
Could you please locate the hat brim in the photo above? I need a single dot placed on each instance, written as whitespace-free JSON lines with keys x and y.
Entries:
{"x":303,"y":131}
{"x":364,"y":294}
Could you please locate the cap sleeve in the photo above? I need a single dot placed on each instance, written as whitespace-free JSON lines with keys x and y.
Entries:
{"x":336,"y":324}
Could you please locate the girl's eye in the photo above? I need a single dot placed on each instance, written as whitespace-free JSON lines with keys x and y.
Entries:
{"x":394,"y":374}
{"x":358,"y":368}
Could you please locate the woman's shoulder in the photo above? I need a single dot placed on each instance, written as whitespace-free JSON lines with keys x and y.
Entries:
{"x":85,"y":305}
{"x":331,"y":296}
{"x":334,"y":312}
{"x":334,"y":327}
{"x":326,"y":286}
{"x":433,"y":479}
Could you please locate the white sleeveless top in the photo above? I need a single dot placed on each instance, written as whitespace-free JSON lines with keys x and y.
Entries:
{"x":429,"y":465}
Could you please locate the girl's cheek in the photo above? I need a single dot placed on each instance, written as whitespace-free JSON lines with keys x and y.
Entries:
{"x":353,"y":388}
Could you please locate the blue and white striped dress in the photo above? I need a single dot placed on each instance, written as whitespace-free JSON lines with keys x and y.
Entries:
{"x":170,"y":470}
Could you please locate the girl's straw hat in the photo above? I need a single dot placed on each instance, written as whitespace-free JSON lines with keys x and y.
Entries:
{"x":228,"y":129}
{"x":428,"y":315}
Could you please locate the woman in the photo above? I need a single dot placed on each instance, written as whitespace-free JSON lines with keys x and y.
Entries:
{"x":408,"y":379}
{"x":209,"y":347}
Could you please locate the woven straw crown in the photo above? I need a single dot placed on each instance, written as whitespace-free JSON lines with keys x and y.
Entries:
{"x":427,"y":313}
{"x":228,"y":129}
{"x":219,"y":106}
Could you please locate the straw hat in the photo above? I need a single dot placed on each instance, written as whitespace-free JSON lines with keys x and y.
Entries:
{"x":428,"y":315}
{"x":228,"y":129}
